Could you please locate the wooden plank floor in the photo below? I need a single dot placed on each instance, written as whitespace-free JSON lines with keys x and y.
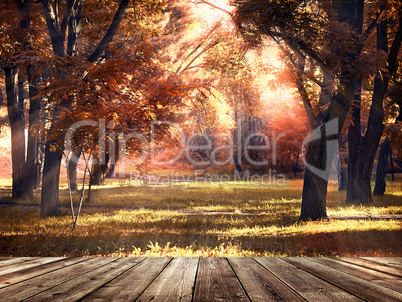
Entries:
{"x":200,"y":279}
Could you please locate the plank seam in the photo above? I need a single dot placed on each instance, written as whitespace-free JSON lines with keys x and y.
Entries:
{"x":238,"y":279}
{"x":195,"y":280}
{"x":336,"y":285}
{"x":377,"y":270}
{"x":40,"y":275}
{"x":277,"y":277}
{"x":167,"y":264}
{"x":67,"y":280}
{"x":345,"y":272}
{"x":131,"y":267}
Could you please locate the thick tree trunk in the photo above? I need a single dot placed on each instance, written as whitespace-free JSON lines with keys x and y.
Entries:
{"x":111,"y":172}
{"x":17,"y":123}
{"x":50,"y":182}
{"x":360,"y":190}
{"x":315,"y":186}
{"x":98,"y":173}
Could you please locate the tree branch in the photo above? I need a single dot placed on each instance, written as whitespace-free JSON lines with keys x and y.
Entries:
{"x":66,"y":17}
{"x":110,"y":32}
{"x":55,"y":36}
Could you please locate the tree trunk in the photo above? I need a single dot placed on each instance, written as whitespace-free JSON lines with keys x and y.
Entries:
{"x":17,"y":123}
{"x":50,"y":182}
{"x":314,"y":186}
{"x":97,"y":173}
{"x":72,"y":170}
{"x":32,"y":164}
{"x":382,"y":164}
{"x":359,"y":187}
{"x":341,"y":172}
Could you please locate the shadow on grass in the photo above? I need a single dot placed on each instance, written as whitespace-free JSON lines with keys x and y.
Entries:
{"x":343,"y":243}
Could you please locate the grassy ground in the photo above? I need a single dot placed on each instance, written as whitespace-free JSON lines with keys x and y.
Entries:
{"x":200,"y":219}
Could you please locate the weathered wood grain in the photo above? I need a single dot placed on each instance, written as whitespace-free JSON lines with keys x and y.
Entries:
{"x":260,"y":284}
{"x":361,"y":288}
{"x":27,"y":264}
{"x":131,"y":284}
{"x":28,"y":273}
{"x":175,"y":283}
{"x":306,"y":285}
{"x":31,"y":287}
{"x":10,"y":260}
{"x":380,"y":278}
{"x":216,"y":281}
{"x":79,"y":287}
{"x":392,"y":270}
{"x":390,"y":261}
{"x":200,"y":279}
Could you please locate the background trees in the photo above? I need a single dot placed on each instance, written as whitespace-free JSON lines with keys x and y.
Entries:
{"x":329,"y":48}
{"x":126,"y":64}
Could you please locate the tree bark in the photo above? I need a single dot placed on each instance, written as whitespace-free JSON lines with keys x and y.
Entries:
{"x":359,"y":187}
{"x":98,"y":172}
{"x":314,"y":186}
{"x":382,"y":164}
{"x":51,"y":169}
{"x":32,"y":163}
{"x":72,"y":170}
{"x":17,"y":123}
{"x":50,"y":182}
{"x":341,"y":172}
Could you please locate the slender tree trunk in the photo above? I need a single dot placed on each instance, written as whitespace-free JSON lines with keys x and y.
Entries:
{"x":382,"y":164}
{"x":355,"y":145}
{"x":237,"y":137}
{"x":341,"y":173}
{"x":17,"y":123}
{"x":72,"y":170}
{"x":385,"y":151}
{"x":32,"y":164}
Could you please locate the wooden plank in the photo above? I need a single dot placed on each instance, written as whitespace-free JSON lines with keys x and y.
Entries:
{"x":361,"y":288}
{"x":260,"y":284}
{"x":130,"y":285}
{"x":19,"y":276}
{"x":81,"y":286}
{"x":6,"y":258}
{"x":31,"y":287}
{"x":306,"y":285}
{"x":390,"y":261}
{"x":28,"y":264}
{"x":17,"y":260}
{"x":383,"y":279}
{"x":216,"y":281}
{"x":392,"y":270}
{"x":175,"y":283}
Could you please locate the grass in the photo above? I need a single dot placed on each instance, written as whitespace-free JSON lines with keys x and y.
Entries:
{"x":201,"y":219}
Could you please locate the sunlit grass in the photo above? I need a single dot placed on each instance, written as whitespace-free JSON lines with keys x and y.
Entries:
{"x":201,"y":219}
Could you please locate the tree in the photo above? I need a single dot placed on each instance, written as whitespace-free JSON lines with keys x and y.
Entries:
{"x":362,"y":149}
{"x":14,"y":28}
{"x":308,"y":33}
{"x":64,"y":50}
{"x":392,"y":140}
